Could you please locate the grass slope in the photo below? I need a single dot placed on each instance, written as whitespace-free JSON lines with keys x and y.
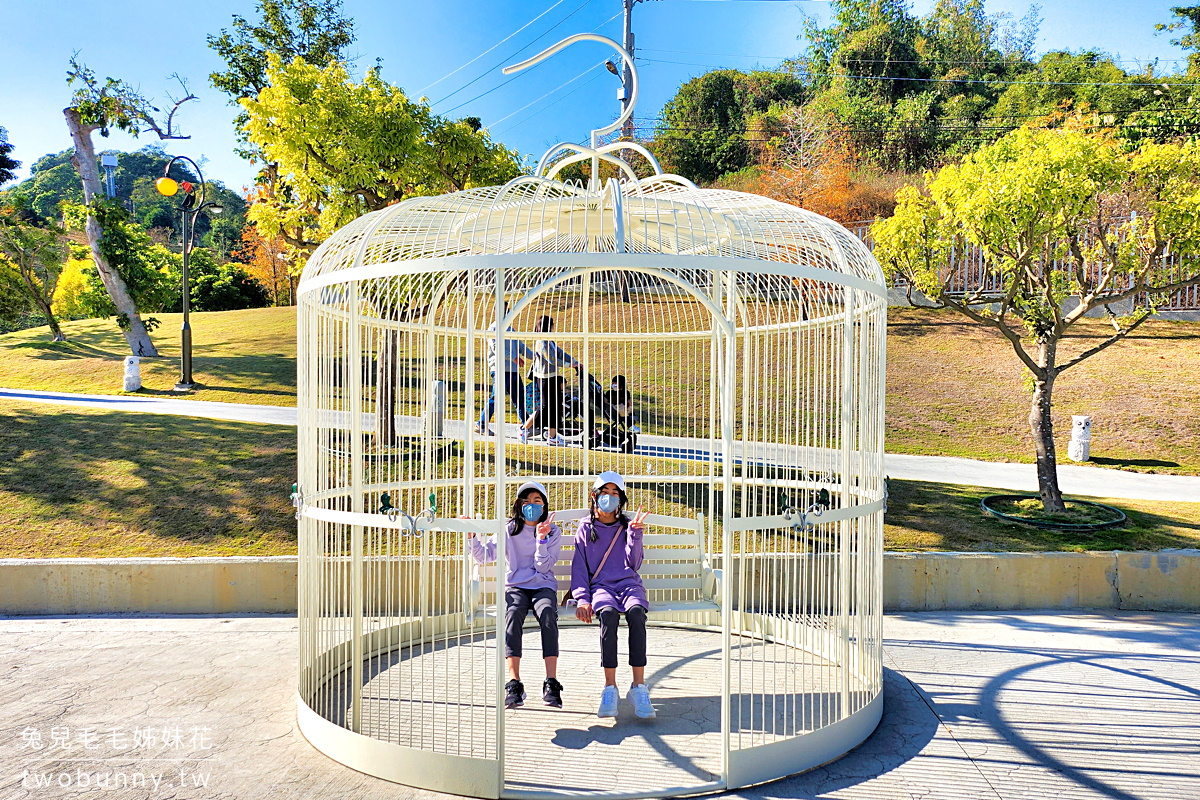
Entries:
{"x":106,"y":484}
{"x":953,"y":388}
{"x":97,"y":483}
{"x":237,"y":357}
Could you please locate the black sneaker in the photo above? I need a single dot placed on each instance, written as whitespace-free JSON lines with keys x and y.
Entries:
{"x":552,"y":692}
{"x":514,"y":693}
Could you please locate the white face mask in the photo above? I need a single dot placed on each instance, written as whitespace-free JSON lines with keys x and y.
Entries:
{"x":608,"y":503}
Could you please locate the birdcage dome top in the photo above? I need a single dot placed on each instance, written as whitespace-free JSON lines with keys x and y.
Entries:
{"x":663,"y":221}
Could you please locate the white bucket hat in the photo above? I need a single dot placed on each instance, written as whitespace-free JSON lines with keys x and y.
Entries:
{"x":608,"y":477}
{"x":534,"y":485}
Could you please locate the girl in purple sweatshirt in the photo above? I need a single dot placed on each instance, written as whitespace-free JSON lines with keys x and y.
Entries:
{"x":533,"y":546}
{"x":605,"y":584}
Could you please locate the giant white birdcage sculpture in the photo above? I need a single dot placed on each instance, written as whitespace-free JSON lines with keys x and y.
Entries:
{"x":752,"y":336}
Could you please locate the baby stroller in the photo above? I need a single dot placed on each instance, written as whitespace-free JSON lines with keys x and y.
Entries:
{"x":617,"y":430}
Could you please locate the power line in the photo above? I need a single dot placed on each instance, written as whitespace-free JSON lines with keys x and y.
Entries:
{"x":898,"y":60}
{"x":552,"y":91}
{"x":493,"y":47}
{"x":506,"y":60}
{"x":1155,"y":84}
{"x":519,"y":74}
{"x":548,"y":106}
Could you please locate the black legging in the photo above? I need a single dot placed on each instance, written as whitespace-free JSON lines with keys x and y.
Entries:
{"x":635,"y":618}
{"x":549,"y":414}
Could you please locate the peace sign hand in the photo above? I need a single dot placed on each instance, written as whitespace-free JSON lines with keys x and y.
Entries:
{"x":543,"y":528}
{"x":636,"y":525}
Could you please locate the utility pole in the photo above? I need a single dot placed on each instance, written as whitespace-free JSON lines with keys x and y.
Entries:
{"x":627,"y":74}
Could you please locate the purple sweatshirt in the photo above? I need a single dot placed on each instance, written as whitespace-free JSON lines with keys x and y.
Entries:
{"x":530,"y":559}
{"x":618,"y":585}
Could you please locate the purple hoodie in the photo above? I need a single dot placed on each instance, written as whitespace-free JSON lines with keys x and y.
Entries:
{"x":530,"y":559}
{"x":618,"y":585}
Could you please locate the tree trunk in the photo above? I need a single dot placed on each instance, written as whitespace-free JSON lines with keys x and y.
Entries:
{"x":51,"y":321}
{"x":1042,"y":426}
{"x":84,"y":160}
{"x":387,"y":377}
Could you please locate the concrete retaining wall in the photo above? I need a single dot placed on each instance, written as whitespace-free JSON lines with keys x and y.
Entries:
{"x":159,"y":585}
{"x":1162,"y":581}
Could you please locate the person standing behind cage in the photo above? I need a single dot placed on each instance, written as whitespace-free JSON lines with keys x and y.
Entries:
{"x":548,"y":357}
{"x":515,"y":354}
{"x":605,"y":583}
{"x":534,"y":544}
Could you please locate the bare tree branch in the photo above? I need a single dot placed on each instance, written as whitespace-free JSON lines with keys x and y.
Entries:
{"x":1121,"y":334}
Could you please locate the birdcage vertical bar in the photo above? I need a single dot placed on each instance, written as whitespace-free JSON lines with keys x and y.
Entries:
{"x":501,"y":475}
{"x":848,"y":373}
{"x":727,"y":420}
{"x":469,"y":402}
{"x":355,"y":409}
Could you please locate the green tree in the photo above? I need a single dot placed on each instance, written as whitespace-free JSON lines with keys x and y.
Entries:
{"x":37,"y":249}
{"x":1037,"y":198}
{"x":8,"y":165}
{"x":348,"y":148}
{"x":314,"y":31}
{"x":1187,"y":20}
{"x":218,"y":286}
{"x":705,"y":128}
{"x":869,"y":48}
{"x":15,"y":307}
{"x":145,"y":267}
{"x":95,"y":106}
{"x":1066,"y":83}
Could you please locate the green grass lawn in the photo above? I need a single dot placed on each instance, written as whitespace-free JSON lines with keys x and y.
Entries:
{"x":933,"y":516}
{"x":957,"y":389}
{"x":97,"y":483}
{"x":103,"y":484}
{"x":237,"y":357}
{"x":953,"y":387}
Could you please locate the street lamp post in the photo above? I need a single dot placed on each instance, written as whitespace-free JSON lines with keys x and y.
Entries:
{"x":190,"y":209}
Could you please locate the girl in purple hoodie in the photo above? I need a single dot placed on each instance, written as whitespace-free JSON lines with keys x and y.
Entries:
{"x":605,"y":584}
{"x":533,"y":546}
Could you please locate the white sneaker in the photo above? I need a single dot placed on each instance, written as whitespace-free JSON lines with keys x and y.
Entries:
{"x":609,"y":699}
{"x":556,"y":441}
{"x":523,"y":434}
{"x":640,"y":697}
{"x":482,"y":431}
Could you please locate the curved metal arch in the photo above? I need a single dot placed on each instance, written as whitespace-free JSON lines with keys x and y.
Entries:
{"x":629,"y":105}
{"x":598,"y":152}
{"x":588,"y":37}
{"x":530,"y":294}
{"x":584,"y":153}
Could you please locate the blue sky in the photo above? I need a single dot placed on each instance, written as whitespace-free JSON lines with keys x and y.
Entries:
{"x":420,"y":42}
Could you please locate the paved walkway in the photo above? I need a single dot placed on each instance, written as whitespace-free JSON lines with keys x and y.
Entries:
{"x":1075,"y":480}
{"x":977,"y":706}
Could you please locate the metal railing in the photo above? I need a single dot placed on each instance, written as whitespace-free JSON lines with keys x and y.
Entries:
{"x":969,"y":272}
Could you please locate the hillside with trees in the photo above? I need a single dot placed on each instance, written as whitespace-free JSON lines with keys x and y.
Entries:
{"x":880,"y":95}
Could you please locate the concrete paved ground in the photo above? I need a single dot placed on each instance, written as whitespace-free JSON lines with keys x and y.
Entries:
{"x":997,"y":706}
{"x":1075,"y":480}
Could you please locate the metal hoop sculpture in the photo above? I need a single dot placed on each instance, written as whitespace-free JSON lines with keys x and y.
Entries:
{"x":751,"y":336}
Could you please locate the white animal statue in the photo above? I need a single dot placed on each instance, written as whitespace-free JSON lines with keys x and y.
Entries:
{"x":1080,"y":446}
{"x":133,"y":374}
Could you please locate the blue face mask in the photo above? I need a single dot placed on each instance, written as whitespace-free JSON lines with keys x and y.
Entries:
{"x":608,"y":503}
{"x":532,"y":512}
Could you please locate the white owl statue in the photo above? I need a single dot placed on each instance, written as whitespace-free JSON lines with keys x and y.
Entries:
{"x":1080,"y":446}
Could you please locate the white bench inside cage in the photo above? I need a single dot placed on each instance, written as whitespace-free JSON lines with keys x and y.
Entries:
{"x":675,"y":569}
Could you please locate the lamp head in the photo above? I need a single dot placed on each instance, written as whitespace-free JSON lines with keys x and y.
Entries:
{"x":167,"y":187}
{"x":611,"y":67}
{"x":215,"y":209}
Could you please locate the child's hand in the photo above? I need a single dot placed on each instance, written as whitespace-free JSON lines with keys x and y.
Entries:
{"x":543,"y":528}
{"x":583,"y":612}
{"x":636,"y":525}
